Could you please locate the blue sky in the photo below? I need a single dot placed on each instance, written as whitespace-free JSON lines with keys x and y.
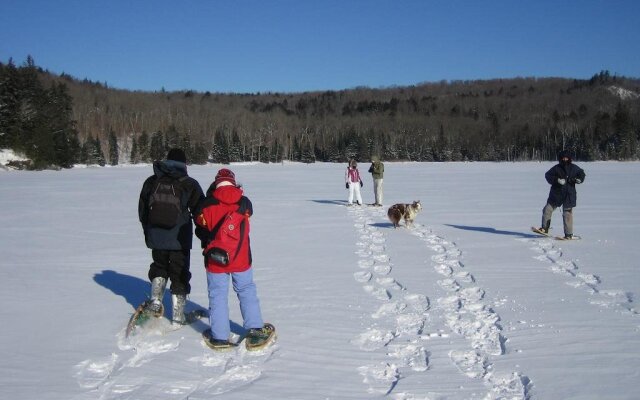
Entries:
{"x":297,"y":45}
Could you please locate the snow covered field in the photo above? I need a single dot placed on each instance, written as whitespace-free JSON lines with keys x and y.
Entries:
{"x":468,"y":304}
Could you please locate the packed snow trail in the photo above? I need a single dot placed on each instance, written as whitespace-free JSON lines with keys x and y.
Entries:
{"x":405,"y":323}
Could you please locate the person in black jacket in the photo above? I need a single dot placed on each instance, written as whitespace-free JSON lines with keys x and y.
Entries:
{"x":168,"y":200}
{"x":563,"y":179}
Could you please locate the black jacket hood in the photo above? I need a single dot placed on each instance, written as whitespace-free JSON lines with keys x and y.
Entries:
{"x":174,"y":169}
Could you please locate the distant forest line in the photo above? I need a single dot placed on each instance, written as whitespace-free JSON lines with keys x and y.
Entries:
{"x":59,"y":120}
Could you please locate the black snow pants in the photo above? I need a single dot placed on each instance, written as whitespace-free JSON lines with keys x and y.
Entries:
{"x":172,"y":265}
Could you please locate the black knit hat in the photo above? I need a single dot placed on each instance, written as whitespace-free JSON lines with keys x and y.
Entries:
{"x":563,"y":154}
{"x":177,"y":155}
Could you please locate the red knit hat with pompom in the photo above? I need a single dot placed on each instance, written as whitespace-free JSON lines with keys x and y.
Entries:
{"x":225,"y":175}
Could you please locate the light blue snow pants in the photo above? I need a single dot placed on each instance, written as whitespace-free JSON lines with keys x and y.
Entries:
{"x":218,"y":287}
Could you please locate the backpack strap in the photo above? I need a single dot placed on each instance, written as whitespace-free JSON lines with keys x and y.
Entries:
{"x":206,"y":238}
{"x":162,"y":179}
{"x":243,"y":207}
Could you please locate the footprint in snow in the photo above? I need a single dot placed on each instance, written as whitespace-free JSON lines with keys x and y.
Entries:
{"x":389,"y":283}
{"x":589,"y":279}
{"x":365,"y":263}
{"x":232,"y":379}
{"x":147,"y":350}
{"x":615,"y":299}
{"x":411,"y":355}
{"x":171,"y":390}
{"x":373,"y":339}
{"x":513,"y":386}
{"x":449,"y":285}
{"x":382,"y":269}
{"x":469,"y":362}
{"x":443,"y":269}
{"x":125,"y":388}
{"x":472,"y":294}
{"x":90,"y":374}
{"x":450,"y":304}
{"x":362,"y":276}
{"x":484,"y":334}
{"x":389,"y":308}
{"x":568,"y":265}
{"x":378,"y":293}
{"x":364,"y":253}
{"x":454,"y":263}
{"x":558,"y":269}
{"x":410,"y":324}
{"x":464,"y":276}
{"x":381,"y":378}
{"x":439,"y":258}
{"x":417,"y":302}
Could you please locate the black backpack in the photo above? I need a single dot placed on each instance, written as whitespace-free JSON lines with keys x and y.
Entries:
{"x":165,"y":203}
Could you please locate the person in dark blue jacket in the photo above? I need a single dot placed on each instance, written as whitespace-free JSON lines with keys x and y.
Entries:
{"x":168,"y":200}
{"x":563,"y":179}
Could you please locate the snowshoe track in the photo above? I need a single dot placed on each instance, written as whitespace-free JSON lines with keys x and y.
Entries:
{"x":202,"y":374}
{"x":406,"y":322}
{"x":571,"y":269}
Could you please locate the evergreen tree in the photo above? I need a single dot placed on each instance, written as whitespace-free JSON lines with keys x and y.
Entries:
{"x":9,"y":105}
{"x":97,"y":155}
{"x":235,"y":149}
{"x":144,"y":148}
{"x":627,"y":138}
{"x":134,"y":157}
{"x":308,"y":156}
{"x":157,"y":150}
{"x":220,"y":148}
{"x":199,"y":154}
{"x":172,"y":139}
{"x":185,"y":145}
{"x":31,"y":97}
{"x":84,"y":152}
{"x":276,"y":153}
{"x":114,"y":153}
{"x":54,"y":133}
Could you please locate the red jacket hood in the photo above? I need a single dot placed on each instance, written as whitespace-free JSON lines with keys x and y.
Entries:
{"x":228,"y":194}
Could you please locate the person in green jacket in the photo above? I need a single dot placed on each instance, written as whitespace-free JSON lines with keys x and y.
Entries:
{"x":377,"y":171}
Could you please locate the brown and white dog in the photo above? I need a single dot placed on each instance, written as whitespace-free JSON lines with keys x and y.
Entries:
{"x":408,"y":212}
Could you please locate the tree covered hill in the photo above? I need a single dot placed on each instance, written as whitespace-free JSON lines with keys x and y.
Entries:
{"x":58,"y":120}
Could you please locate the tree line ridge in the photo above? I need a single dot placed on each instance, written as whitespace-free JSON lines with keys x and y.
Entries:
{"x":59,"y":120}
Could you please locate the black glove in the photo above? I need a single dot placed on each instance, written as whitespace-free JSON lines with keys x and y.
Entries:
{"x":361,"y":184}
{"x":346,"y":185}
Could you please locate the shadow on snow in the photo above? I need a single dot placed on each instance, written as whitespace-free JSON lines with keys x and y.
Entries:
{"x":136,"y":290}
{"x":337,"y":202}
{"x":494,"y":231}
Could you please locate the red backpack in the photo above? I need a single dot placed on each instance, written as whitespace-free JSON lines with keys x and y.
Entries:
{"x":228,"y":235}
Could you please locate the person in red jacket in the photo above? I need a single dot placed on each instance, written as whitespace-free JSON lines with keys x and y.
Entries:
{"x":224,"y":197}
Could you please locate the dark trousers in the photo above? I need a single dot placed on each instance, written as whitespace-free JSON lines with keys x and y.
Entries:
{"x":172,"y":265}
